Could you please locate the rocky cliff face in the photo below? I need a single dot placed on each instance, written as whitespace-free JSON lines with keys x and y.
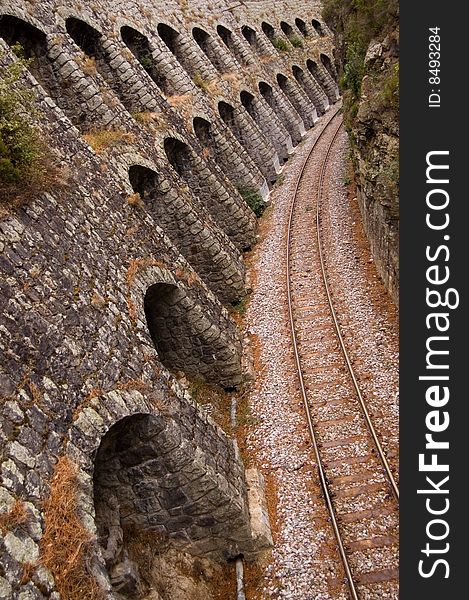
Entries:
{"x":367,"y":50}
{"x":375,"y":140}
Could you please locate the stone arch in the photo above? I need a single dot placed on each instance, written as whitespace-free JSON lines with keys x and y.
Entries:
{"x":311,"y":88}
{"x":84,"y":35}
{"x":249,"y":35}
{"x":246,"y":134}
{"x":140,"y":47}
{"x":210,"y":256}
{"x":301,"y":26}
{"x":100,"y":51}
{"x":225,"y":206}
{"x":187,"y":339}
{"x":298,"y":74}
{"x":169,"y":36}
{"x":266,"y":91}
{"x":299,"y":100}
{"x":286,"y":114}
{"x":153,"y":473}
{"x":287,"y":29}
{"x":268,"y":30}
{"x":122,"y":508}
{"x":324,"y":79}
{"x":318,"y":27}
{"x":181,"y":157}
{"x":34,"y":46}
{"x":202,"y":130}
{"x":266,"y":120}
{"x":316,"y":72}
{"x":209,"y":48}
{"x":233,"y":45}
{"x":247,"y":100}
{"x":328,"y":65}
{"x":257,"y":42}
{"x":229,"y":155}
{"x":33,"y":43}
{"x":59,"y":73}
{"x":184,"y":52}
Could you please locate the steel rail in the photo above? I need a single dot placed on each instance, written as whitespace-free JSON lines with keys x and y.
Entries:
{"x":309,"y":419}
{"x":366,"y":414}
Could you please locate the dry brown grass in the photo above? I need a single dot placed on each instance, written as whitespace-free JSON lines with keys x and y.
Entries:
{"x":133,"y":384}
{"x":146,"y":117}
{"x":179,"y":100}
{"x":94,"y":393}
{"x":137,"y":264}
{"x":213,"y":88}
{"x":135,"y":200}
{"x":143,"y":546}
{"x":233,"y":79}
{"x":189,"y":277}
{"x":46,"y":177}
{"x":66,"y":547}
{"x":17,"y":516}
{"x":35,"y":393}
{"x":132,"y":309}
{"x":98,"y":301}
{"x":88,"y":65}
{"x":183,"y":103}
{"x":28,"y":570}
{"x":108,"y":138}
{"x":208,"y":393}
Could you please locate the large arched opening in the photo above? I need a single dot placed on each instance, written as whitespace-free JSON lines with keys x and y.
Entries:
{"x":187,"y":339}
{"x":232,"y":44}
{"x":30,"y":42}
{"x":317,"y":27}
{"x":140,"y":47}
{"x":301,"y":26}
{"x":209,"y":48}
{"x":281,"y":109}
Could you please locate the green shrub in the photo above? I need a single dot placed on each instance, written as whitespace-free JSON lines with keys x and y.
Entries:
{"x":147,"y":62}
{"x":25,"y":169}
{"x":356,"y":23}
{"x":354,"y":68}
{"x":280,"y":44}
{"x":241,"y":306}
{"x":253,"y":199}
{"x":390,"y":88}
{"x":296,"y":41}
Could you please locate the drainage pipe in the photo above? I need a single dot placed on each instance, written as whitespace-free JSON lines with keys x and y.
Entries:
{"x":240,"y":595}
{"x":240,"y":579}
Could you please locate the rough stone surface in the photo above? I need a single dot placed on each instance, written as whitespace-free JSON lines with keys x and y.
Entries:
{"x":88,"y":338}
{"x":376,"y":133}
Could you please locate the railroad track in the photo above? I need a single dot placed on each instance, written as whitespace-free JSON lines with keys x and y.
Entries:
{"x":359,"y":488}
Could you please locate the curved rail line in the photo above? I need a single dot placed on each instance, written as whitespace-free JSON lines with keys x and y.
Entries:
{"x":322,"y":475}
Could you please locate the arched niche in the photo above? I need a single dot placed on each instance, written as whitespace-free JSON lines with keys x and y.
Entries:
{"x":317,"y":27}
{"x":140,"y":47}
{"x":187,"y":339}
{"x":301,"y":26}
{"x":31,"y":43}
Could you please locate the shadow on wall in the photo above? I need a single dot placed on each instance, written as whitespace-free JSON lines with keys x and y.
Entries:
{"x":187,"y":340}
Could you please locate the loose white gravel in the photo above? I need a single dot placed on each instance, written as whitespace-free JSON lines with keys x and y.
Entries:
{"x":304,"y":562}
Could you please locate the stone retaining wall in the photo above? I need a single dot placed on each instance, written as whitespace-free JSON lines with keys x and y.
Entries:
{"x":115,"y":282}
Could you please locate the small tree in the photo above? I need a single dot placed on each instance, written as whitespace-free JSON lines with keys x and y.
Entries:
{"x":24,"y":168}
